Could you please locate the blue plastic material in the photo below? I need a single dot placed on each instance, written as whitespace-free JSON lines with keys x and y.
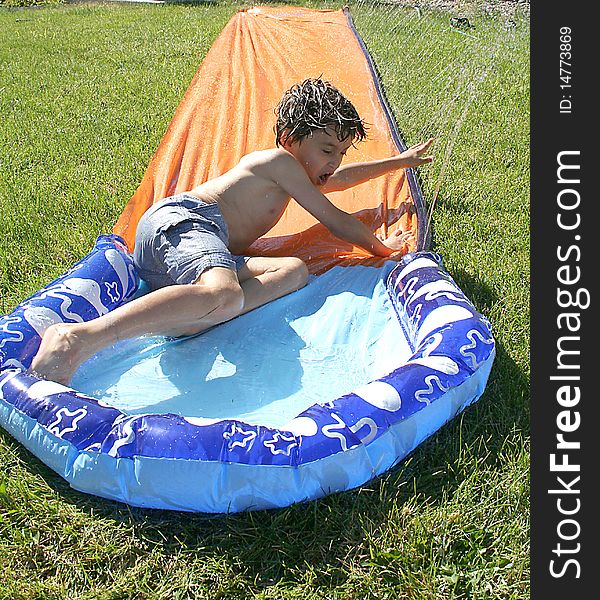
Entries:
{"x":224,"y":465}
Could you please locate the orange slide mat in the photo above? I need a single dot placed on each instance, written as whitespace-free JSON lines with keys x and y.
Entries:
{"x":228,"y":111}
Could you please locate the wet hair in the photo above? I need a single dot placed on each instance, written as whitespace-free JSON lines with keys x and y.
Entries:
{"x":316,"y":104}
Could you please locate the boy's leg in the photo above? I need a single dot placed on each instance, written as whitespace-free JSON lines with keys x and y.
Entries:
{"x":264,"y":279}
{"x":174,"y":310}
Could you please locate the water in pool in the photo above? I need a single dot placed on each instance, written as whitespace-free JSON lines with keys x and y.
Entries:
{"x":265,"y":367}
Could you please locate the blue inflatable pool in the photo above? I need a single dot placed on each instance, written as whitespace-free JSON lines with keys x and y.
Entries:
{"x":315,"y":393}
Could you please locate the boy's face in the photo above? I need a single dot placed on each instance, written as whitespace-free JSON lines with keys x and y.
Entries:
{"x":320,"y":154}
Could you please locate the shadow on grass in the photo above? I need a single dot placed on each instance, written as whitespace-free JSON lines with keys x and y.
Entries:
{"x":270,"y":545}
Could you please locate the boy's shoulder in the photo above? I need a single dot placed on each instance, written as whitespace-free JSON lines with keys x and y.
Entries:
{"x":270,"y":161}
{"x":266,"y":157}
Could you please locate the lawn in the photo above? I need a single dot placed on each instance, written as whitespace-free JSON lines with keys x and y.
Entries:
{"x":86,"y":94}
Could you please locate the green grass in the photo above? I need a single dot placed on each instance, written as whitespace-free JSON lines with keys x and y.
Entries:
{"x":85,"y":97}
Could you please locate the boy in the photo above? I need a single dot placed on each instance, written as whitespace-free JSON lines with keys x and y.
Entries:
{"x":188,"y":247}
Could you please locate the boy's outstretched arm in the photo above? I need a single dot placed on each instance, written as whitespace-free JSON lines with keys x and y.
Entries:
{"x":294,"y":180}
{"x":352,"y":174}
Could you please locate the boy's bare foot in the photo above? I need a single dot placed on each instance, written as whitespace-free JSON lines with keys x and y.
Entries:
{"x":61,"y":352}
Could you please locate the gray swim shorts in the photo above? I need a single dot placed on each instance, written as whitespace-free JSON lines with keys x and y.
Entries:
{"x":179,"y":238}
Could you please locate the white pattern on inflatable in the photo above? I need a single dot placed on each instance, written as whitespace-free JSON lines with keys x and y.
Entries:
{"x":281,"y":443}
{"x":464,"y":350}
{"x":301,"y":426}
{"x":201,"y":421}
{"x":43,"y":389}
{"x":331,"y":431}
{"x":442,"y":317}
{"x":117,"y":262}
{"x":380,"y":395}
{"x":444,"y":364}
{"x":13,"y":363}
{"x":238,"y":437}
{"x":365,"y":422}
{"x":40,"y":318}
{"x":440,"y":363}
{"x":413,"y":265}
{"x":422,"y":395}
{"x":62,"y":425}
{"x":438,"y":289}
{"x":5,"y":377}
{"x":76,"y":286}
{"x":112,"y":289}
{"x":409,"y":290}
{"x":17,"y":335}
{"x":126,"y":439}
{"x":334,"y":431}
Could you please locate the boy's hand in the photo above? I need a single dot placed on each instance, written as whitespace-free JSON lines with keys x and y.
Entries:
{"x":400,"y":241}
{"x":413,"y":157}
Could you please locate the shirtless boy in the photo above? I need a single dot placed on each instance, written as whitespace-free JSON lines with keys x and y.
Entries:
{"x":188,"y":247}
